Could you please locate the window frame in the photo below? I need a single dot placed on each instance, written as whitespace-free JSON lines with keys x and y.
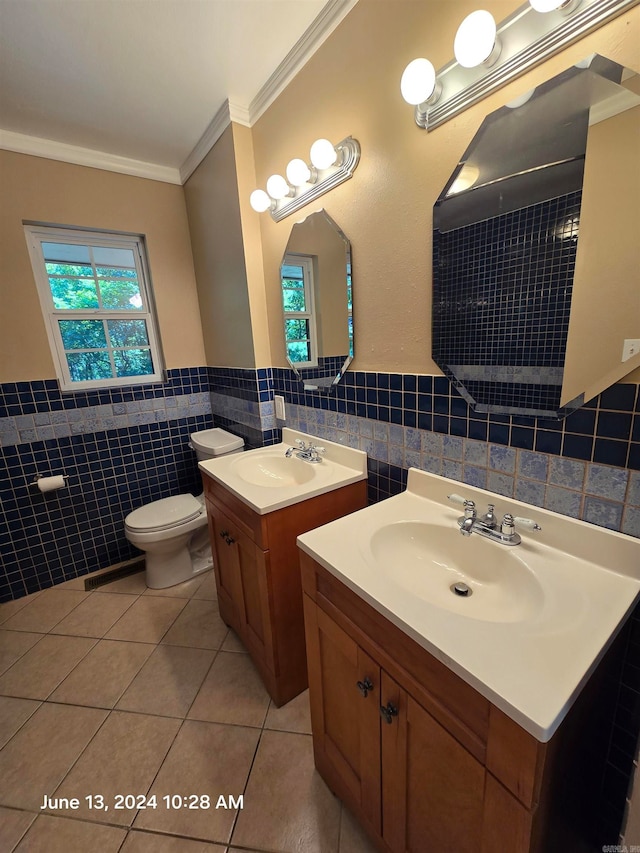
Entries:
{"x":36,"y":235}
{"x":306,"y":262}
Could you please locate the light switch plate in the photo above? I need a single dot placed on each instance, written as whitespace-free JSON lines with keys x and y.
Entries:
{"x":630,"y":347}
{"x":279,"y":406}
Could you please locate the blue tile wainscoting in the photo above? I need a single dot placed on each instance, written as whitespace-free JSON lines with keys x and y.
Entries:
{"x":120,"y":448}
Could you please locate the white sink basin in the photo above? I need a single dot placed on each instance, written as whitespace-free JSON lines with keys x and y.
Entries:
{"x":540,"y":614}
{"x":266,"y":479}
{"x":428,"y":560}
{"x":266,"y":469}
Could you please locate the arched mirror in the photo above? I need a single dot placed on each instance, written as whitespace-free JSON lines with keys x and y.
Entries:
{"x":317,"y":306}
{"x":536,"y":304}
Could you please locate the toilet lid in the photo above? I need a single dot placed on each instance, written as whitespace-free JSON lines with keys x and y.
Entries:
{"x":165,"y":513}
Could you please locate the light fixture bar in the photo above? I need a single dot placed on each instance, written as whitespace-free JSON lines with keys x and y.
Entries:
{"x":527,"y":38}
{"x":349,"y":155}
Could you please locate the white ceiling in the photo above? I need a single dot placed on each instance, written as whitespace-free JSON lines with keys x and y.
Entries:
{"x":143,"y":79}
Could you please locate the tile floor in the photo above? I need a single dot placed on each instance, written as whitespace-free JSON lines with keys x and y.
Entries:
{"x":130,"y":691}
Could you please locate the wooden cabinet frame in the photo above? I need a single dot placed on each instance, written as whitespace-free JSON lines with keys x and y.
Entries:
{"x":449,"y":770}
{"x":258,"y":576}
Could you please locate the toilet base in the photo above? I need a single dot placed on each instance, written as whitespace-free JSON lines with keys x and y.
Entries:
{"x":164,"y":570}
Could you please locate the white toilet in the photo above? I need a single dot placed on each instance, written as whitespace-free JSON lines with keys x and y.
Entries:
{"x":173,"y":531}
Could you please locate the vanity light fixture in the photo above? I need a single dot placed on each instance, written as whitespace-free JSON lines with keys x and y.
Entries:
{"x":488,"y":56}
{"x":330,"y":166}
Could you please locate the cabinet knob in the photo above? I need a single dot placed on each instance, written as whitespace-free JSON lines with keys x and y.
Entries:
{"x":388,"y":712}
{"x":230,"y":540}
{"x":365,"y":686}
{"x":223,"y":534}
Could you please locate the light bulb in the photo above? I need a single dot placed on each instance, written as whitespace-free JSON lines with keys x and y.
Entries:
{"x":298,"y":173}
{"x":277,"y":187}
{"x":259,"y":201}
{"x":418,"y":81}
{"x":475,"y":41}
{"x":323,"y":154}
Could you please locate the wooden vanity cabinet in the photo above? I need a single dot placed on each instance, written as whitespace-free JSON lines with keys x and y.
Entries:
{"x":422,"y":759}
{"x":258,"y":576}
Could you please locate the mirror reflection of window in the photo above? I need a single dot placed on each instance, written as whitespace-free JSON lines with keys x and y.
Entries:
{"x":300,"y":334}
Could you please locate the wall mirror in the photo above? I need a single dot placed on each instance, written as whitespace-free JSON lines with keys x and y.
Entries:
{"x":536,"y":257}
{"x":316,"y":284}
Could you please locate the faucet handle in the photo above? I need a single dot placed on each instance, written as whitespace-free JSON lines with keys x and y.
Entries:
{"x":456,"y":499}
{"x":301,"y":443}
{"x":527,"y":523}
{"x":317,"y":448}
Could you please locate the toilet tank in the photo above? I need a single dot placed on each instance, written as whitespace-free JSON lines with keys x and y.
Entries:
{"x":209,"y":443}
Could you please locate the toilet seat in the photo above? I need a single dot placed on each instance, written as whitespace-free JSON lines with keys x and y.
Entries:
{"x":164,"y":514}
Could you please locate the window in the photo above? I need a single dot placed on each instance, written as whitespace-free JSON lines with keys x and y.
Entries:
{"x":96,"y":299}
{"x":298,"y":306}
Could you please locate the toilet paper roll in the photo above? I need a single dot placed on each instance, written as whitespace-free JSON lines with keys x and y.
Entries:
{"x":50,"y":484}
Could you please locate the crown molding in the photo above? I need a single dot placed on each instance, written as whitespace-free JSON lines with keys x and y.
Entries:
{"x":21,"y":143}
{"x":319,"y":31}
{"x":301,"y":52}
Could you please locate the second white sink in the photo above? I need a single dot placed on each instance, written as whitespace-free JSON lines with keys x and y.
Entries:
{"x":267,"y":469}
{"x":429,"y":560}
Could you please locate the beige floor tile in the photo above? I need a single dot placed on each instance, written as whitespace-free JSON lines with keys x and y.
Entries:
{"x":206,"y":759}
{"x":44,"y":666}
{"x":168,"y":682}
{"x":181,"y":590}
{"x":13,"y":825}
{"x":104,"y":674}
{"x":295,"y":716}
{"x":123,"y":758}
{"x":10,"y":608}
{"x":233,"y":643}
{"x":13,"y":644}
{"x":207,"y":588}
{"x":38,"y":757}
{"x":232,"y":692}
{"x":51,"y":834}
{"x":95,"y":616}
{"x":287,"y":805}
{"x":131,"y":584}
{"x":46,"y":610}
{"x":198,"y":626}
{"x":147,"y":620}
{"x":353,"y":839}
{"x":13,"y":713}
{"x":148,"y":842}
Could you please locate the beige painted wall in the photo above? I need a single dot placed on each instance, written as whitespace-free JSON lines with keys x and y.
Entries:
{"x":213,"y":209}
{"x":48,"y":191}
{"x":351,"y":87}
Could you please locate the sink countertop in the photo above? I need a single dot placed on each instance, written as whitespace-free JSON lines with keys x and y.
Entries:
{"x":532,"y":668}
{"x":340,"y":467}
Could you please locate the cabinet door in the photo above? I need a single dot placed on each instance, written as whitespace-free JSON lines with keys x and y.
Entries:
{"x":226,"y":568}
{"x":432,"y":788}
{"x":344,"y":690}
{"x":242,"y":575}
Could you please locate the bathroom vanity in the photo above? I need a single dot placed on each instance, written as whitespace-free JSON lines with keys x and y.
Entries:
{"x":445,"y":726}
{"x":257,"y":504}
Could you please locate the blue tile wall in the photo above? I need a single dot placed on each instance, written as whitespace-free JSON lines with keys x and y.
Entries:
{"x":503,"y":343}
{"x":120,"y":448}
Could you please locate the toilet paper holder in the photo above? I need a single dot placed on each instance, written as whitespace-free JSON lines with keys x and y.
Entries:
{"x":37,"y":477}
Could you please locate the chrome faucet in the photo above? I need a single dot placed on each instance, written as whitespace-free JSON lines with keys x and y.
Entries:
{"x":487,"y":526}
{"x":308,"y":452}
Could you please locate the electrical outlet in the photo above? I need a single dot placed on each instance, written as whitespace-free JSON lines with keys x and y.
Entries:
{"x":279,"y":406}
{"x":630,"y":347}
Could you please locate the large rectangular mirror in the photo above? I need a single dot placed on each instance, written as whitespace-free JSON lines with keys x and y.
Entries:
{"x":536,"y":251}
